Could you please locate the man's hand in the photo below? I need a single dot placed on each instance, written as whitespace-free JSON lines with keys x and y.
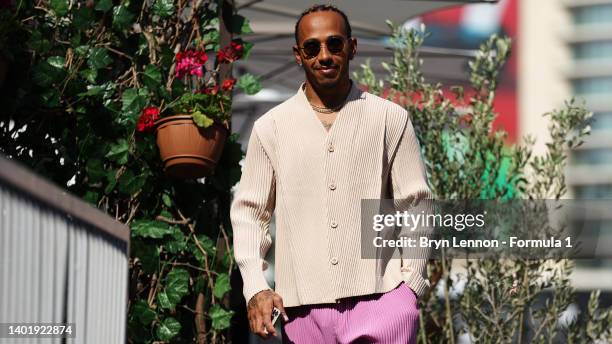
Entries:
{"x":260,"y":312}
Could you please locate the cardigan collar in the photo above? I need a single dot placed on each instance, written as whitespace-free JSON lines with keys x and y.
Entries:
{"x":347,"y":118}
{"x":354,"y":94}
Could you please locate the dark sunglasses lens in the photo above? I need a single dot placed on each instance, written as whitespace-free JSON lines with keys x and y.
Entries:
{"x":335,"y":44}
{"x":311,"y":48}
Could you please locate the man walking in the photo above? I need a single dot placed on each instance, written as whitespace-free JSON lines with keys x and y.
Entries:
{"x":311,"y":160}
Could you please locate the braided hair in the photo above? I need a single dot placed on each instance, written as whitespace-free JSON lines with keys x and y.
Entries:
{"x":319,"y":8}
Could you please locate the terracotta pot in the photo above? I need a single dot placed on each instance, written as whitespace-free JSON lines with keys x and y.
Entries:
{"x":188,"y":151}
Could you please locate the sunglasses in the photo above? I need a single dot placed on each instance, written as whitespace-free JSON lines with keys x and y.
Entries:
{"x":312,"y":47}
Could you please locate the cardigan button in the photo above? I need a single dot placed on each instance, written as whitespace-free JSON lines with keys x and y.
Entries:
{"x":334,"y":260}
{"x":334,"y":224}
{"x":330,"y":148}
{"x":332,"y":186}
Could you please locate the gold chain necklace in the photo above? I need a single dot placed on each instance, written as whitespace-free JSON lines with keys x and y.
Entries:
{"x":322,"y":109}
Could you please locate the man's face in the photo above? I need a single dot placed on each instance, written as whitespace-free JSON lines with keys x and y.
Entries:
{"x":327,"y":68}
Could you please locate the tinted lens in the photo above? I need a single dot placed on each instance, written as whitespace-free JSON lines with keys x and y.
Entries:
{"x":312,"y":48}
{"x":335,"y":44}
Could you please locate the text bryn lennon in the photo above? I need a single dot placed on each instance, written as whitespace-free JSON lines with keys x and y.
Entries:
{"x":434,"y":243}
{"x":424,"y":241}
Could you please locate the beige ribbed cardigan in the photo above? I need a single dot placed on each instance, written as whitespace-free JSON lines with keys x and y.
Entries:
{"x":313,"y":180}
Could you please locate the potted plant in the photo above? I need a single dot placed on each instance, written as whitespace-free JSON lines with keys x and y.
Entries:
{"x":192,"y":129}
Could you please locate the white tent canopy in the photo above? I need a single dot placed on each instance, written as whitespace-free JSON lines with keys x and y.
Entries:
{"x":277,"y":17}
{"x":273,"y":23}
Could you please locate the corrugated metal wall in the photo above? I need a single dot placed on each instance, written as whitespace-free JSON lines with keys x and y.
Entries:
{"x":56,"y":269}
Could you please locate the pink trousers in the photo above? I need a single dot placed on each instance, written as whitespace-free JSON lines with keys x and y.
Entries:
{"x":389,"y":318}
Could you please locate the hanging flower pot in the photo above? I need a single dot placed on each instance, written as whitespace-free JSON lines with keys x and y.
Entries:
{"x":191,"y":133}
{"x":187,"y":150}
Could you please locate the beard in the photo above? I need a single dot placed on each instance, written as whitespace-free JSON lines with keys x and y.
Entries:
{"x":328,"y":83}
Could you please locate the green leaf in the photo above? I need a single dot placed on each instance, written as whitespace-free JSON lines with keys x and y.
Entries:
{"x":130,"y":184}
{"x":98,"y":58}
{"x":207,"y":244}
{"x":112,"y":181}
{"x":227,"y":258}
{"x":163,"y":8}
{"x":57,"y":61}
{"x":167,"y":200}
{"x":150,"y":229}
{"x":249,"y":84}
{"x":60,"y":7}
{"x":201,"y":119}
{"x":143,"y":313}
{"x":90,"y":75}
{"x":146,"y":148}
{"x":122,"y":17}
{"x":119,"y":152}
{"x":178,"y":242}
{"x":220,"y":317}
{"x":147,"y":253}
{"x":240,"y":25}
{"x":95,"y":170}
{"x":248,"y":46}
{"x":177,"y":285}
{"x":82,"y":18}
{"x":211,"y":40}
{"x":105,"y":90}
{"x":168,"y":329}
{"x":104,"y":5}
{"x":91,"y":197}
{"x":139,"y":334}
{"x":222,"y":285}
{"x":45,"y":74}
{"x":82,"y":50}
{"x":151,"y":77}
{"x":51,"y":97}
{"x":38,"y":42}
{"x":133,"y":101}
{"x":163,"y":301}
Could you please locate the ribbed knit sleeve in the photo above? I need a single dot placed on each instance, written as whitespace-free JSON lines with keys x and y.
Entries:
{"x":408,"y":175}
{"x":412,"y":193}
{"x":250,"y":213}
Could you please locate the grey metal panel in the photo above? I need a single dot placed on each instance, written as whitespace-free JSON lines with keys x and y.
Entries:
{"x":56,"y":269}
{"x":77,"y":283}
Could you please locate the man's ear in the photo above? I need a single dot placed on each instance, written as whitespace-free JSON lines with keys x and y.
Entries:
{"x":353,"y":48}
{"x":296,"y":55}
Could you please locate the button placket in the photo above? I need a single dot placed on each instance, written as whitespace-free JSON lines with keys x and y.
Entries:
{"x":333,"y":260}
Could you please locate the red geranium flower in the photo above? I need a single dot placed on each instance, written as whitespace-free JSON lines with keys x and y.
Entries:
{"x":231,"y":52}
{"x":146,"y":122}
{"x":189,"y":63}
{"x":228,"y":84}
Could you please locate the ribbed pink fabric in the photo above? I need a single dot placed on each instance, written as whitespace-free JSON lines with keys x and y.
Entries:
{"x":389,"y":318}
{"x":314,"y":181}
